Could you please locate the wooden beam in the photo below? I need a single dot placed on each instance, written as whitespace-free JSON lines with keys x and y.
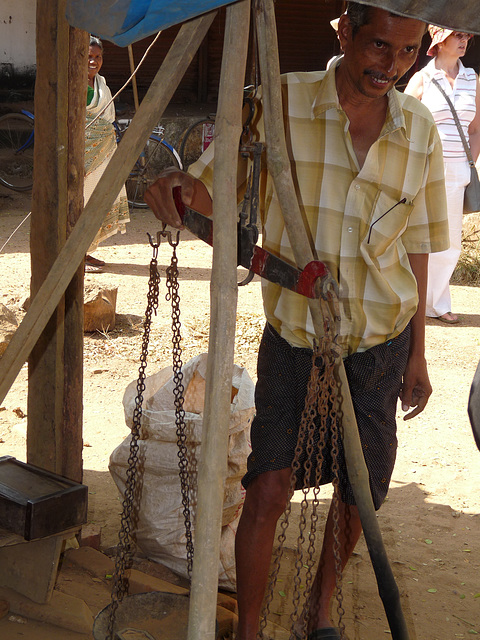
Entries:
{"x":131,"y":61}
{"x":71,"y":461}
{"x":223,"y":301}
{"x":56,"y":361}
{"x":71,"y":256}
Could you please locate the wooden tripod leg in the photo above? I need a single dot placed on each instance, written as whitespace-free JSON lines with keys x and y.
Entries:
{"x":223,"y":296}
{"x":279,"y":167}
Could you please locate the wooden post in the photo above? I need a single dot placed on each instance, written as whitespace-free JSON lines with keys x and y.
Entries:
{"x":55,"y":365}
{"x":71,"y":255}
{"x":223,"y":297}
{"x":72,"y":446}
{"x":279,"y":167}
{"x":134,"y":79}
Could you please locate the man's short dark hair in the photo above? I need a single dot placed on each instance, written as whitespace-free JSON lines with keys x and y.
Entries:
{"x":359,"y":15}
{"x":96,"y":42}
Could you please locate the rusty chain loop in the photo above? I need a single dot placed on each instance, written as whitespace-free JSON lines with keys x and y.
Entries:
{"x":131,"y":500}
{"x":178,"y":392}
{"x":133,"y":485}
{"x":322,"y":401}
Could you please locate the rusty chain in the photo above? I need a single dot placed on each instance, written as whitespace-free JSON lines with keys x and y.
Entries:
{"x":131,"y":500}
{"x":178,"y":392}
{"x":322,"y":401}
{"x":133,"y":485}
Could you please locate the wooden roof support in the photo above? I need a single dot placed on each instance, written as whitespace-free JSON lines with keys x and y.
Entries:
{"x":54,"y":431}
{"x":212,"y":469}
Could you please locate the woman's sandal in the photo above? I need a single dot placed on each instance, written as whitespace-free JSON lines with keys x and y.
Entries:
{"x":94,"y":262}
{"x":449,"y":318}
{"x":90,"y":268}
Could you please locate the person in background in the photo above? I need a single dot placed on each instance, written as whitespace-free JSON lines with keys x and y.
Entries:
{"x":100,"y":144}
{"x":461,"y":85}
{"x":368,"y":170}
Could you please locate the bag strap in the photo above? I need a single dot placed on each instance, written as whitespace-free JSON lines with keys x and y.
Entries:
{"x":457,"y":122}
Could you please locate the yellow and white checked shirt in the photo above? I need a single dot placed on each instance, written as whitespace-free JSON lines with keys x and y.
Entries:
{"x":342,"y":206}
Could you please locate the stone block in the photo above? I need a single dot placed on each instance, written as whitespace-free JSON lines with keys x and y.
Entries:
{"x":91,"y":536}
{"x":8,"y":326}
{"x":96,"y":563}
{"x":63,"y":610}
{"x":140,"y":582}
{"x":31,"y":568}
{"x":99,"y":308}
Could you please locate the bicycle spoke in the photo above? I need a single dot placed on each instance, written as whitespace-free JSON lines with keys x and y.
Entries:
{"x":16,"y":151}
{"x":156,"y":156}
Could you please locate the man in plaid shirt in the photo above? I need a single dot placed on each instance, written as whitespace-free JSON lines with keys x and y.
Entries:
{"x":368,"y":171}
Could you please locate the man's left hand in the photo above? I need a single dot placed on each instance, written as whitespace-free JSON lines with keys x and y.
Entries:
{"x":416,"y":387}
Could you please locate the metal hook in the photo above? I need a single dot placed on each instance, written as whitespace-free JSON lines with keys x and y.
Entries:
{"x":170,"y":236}
{"x":156,"y":244}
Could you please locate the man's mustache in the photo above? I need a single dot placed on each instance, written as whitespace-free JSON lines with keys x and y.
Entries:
{"x":380,"y":76}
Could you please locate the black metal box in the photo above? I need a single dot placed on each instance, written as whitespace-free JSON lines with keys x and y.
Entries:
{"x":35,"y":503}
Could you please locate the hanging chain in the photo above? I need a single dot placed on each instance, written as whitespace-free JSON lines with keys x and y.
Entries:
{"x":133,"y":486}
{"x":322,"y":401}
{"x":173,"y":297}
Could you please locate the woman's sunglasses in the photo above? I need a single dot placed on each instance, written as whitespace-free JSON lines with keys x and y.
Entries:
{"x":462,"y":36}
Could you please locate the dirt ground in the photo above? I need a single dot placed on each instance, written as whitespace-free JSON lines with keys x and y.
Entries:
{"x":431,"y":520}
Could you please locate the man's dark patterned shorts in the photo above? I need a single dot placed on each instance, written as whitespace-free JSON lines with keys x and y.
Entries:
{"x":375,"y":379}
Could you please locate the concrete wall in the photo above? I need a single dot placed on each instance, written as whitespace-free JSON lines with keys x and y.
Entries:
{"x":17,"y":43}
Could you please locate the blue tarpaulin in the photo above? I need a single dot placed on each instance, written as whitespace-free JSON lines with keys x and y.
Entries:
{"x":126,"y":21}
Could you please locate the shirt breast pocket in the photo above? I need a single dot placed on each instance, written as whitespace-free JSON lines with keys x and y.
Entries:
{"x":388,"y":221}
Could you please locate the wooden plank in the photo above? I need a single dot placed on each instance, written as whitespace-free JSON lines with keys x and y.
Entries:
{"x":48,"y":296}
{"x":223,"y":296}
{"x":70,"y":462}
{"x":55,"y":403}
{"x":48,"y":231}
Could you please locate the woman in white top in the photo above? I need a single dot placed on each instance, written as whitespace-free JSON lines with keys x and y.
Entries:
{"x":461,"y":85}
{"x":100,"y":145}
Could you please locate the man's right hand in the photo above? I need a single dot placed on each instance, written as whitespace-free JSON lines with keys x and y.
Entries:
{"x":159,"y":196}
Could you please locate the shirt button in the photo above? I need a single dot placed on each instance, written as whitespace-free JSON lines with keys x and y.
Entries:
{"x":350,"y":229}
{"x":357,"y":186}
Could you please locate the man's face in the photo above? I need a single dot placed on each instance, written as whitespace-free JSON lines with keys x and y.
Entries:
{"x":381,"y":52}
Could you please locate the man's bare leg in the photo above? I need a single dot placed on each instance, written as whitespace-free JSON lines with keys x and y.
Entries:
{"x":325,"y":580}
{"x":265,"y":502}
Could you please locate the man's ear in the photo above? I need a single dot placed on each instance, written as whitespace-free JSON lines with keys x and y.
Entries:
{"x":344,"y":31}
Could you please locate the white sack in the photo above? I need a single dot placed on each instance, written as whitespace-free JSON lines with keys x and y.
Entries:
{"x":161,"y":527}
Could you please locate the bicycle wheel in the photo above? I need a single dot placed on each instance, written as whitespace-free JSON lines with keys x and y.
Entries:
{"x":16,"y":151}
{"x":195,"y":140}
{"x":156,"y":156}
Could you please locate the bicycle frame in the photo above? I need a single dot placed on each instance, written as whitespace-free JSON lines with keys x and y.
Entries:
{"x":31,"y":137}
{"x":157,"y":134}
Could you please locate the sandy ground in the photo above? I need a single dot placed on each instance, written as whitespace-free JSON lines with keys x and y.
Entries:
{"x":431,"y":520}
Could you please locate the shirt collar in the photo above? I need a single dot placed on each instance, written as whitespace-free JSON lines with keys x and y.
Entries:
{"x":439,"y":73}
{"x":327,"y":98}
